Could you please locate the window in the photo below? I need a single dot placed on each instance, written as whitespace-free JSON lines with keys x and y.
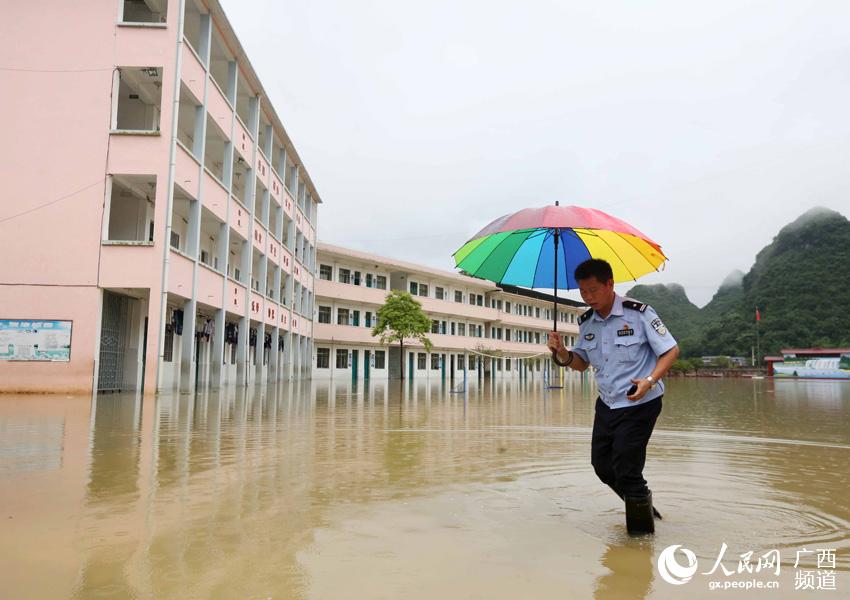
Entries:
{"x":326,"y":272}
{"x":175,"y":240}
{"x":472,"y":299}
{"x":421,"y":359}
{"x":536,"y":337}
{"x":368,"y":321}
{"x":131,"y":208}
{"x":423,"y":290}
{"x":454,"y":329}
{"x":380,"y":282}
{"x":507,"y":334}
{"x":537,"y":312}
{"x":380,"y":359}
{"x":439,"y":293}
{"x":460,"y":362}
{"x":435,"y":362}
{"x":507,"y":307}
{"x":341,"y":359}
{"x":461,"y":329}
{"x":369,"y":280}
{"x":443,"y":327}
{"x":324,"y":314}
{"x":414,"y":288}
{"x":323,"y":358}
{"x":345,"y":276}
{"x":144,"y":11}
{"x":458,"y":296}
{"x":480,"y":300}
{"x":472,"y":360}
{"x":435,"y":327}
{"x":342,"y":316}
{"x":138,"y":99}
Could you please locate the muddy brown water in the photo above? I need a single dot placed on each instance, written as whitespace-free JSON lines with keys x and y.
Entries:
{"x":328,"y":490}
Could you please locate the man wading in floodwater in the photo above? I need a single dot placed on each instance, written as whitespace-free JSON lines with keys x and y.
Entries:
{"x":631,"y":350}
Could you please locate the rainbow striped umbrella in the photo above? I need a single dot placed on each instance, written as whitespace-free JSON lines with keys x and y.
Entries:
{"x":541,"y":247}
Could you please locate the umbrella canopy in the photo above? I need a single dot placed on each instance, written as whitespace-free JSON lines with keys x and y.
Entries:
{"x":519,"y":248}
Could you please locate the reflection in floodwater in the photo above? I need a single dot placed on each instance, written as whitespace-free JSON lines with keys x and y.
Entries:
{"x":324,"y":489}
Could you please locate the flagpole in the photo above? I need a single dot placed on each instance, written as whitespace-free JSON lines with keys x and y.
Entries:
{"x":758,"y":346}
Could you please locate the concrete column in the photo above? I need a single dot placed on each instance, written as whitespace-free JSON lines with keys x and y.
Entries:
{"x":187,"y":343}
{"x":206,"y":33}
{"x":259,"y":350}
{"x":242,"y":352}
{"x":217,"y":352}
{"x":286,"y":366}
{"x":274,"y":356}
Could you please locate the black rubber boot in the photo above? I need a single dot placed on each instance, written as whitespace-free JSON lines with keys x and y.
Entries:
{"x":639,"y":517}
{"x":654,"y":510}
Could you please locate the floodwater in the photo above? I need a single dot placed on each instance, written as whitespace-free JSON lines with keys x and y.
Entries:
{"x":321,"y":490}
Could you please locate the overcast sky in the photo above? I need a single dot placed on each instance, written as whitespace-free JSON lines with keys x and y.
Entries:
{"x":707,"y":125}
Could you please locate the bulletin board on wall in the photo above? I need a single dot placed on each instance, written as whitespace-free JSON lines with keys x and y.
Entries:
{"x":35,"y":340}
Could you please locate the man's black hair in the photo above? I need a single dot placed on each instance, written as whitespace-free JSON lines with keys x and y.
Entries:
{"x":595,"y":267}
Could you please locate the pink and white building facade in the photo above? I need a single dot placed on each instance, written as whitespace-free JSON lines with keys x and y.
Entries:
{"x":476,"y":326}
{"x":156,"y":206}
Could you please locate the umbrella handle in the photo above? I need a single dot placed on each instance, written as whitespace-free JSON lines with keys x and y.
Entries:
{"x":555,"y":319}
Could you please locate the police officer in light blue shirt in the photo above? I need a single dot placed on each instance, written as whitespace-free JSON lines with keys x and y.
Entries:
{"x":631,"y":350}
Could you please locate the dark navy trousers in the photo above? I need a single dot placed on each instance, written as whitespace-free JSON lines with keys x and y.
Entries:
{"x":618,"y":446}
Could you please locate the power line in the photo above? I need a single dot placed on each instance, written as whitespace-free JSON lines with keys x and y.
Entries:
{"x":25,"y":70}
{"x":406,"y":238}
{"x":46,"y":204}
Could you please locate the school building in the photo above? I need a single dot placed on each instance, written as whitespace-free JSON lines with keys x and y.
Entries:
{"x":159,"y":226}
{"x":477,"y":326}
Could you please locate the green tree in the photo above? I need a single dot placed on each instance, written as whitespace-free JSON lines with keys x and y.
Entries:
{"x":723,"y":362}
{"x":681,"y":366}
{"x":696,"y":364}
{"x":402,"y":317}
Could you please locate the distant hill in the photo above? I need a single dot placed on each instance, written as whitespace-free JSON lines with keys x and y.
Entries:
{"x":800,"y":282}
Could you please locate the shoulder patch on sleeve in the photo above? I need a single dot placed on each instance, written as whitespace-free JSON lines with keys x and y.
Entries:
{"x":635,"y":305}
{"x":585,"y":316}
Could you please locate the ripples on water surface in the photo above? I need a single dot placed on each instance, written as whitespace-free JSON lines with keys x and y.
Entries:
{"x":321,"y":490}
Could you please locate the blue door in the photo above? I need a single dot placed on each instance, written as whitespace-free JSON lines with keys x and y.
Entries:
{"x":367,"y":355}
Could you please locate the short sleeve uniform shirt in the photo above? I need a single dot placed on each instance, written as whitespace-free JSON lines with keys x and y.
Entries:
{"x":623,"y":346}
